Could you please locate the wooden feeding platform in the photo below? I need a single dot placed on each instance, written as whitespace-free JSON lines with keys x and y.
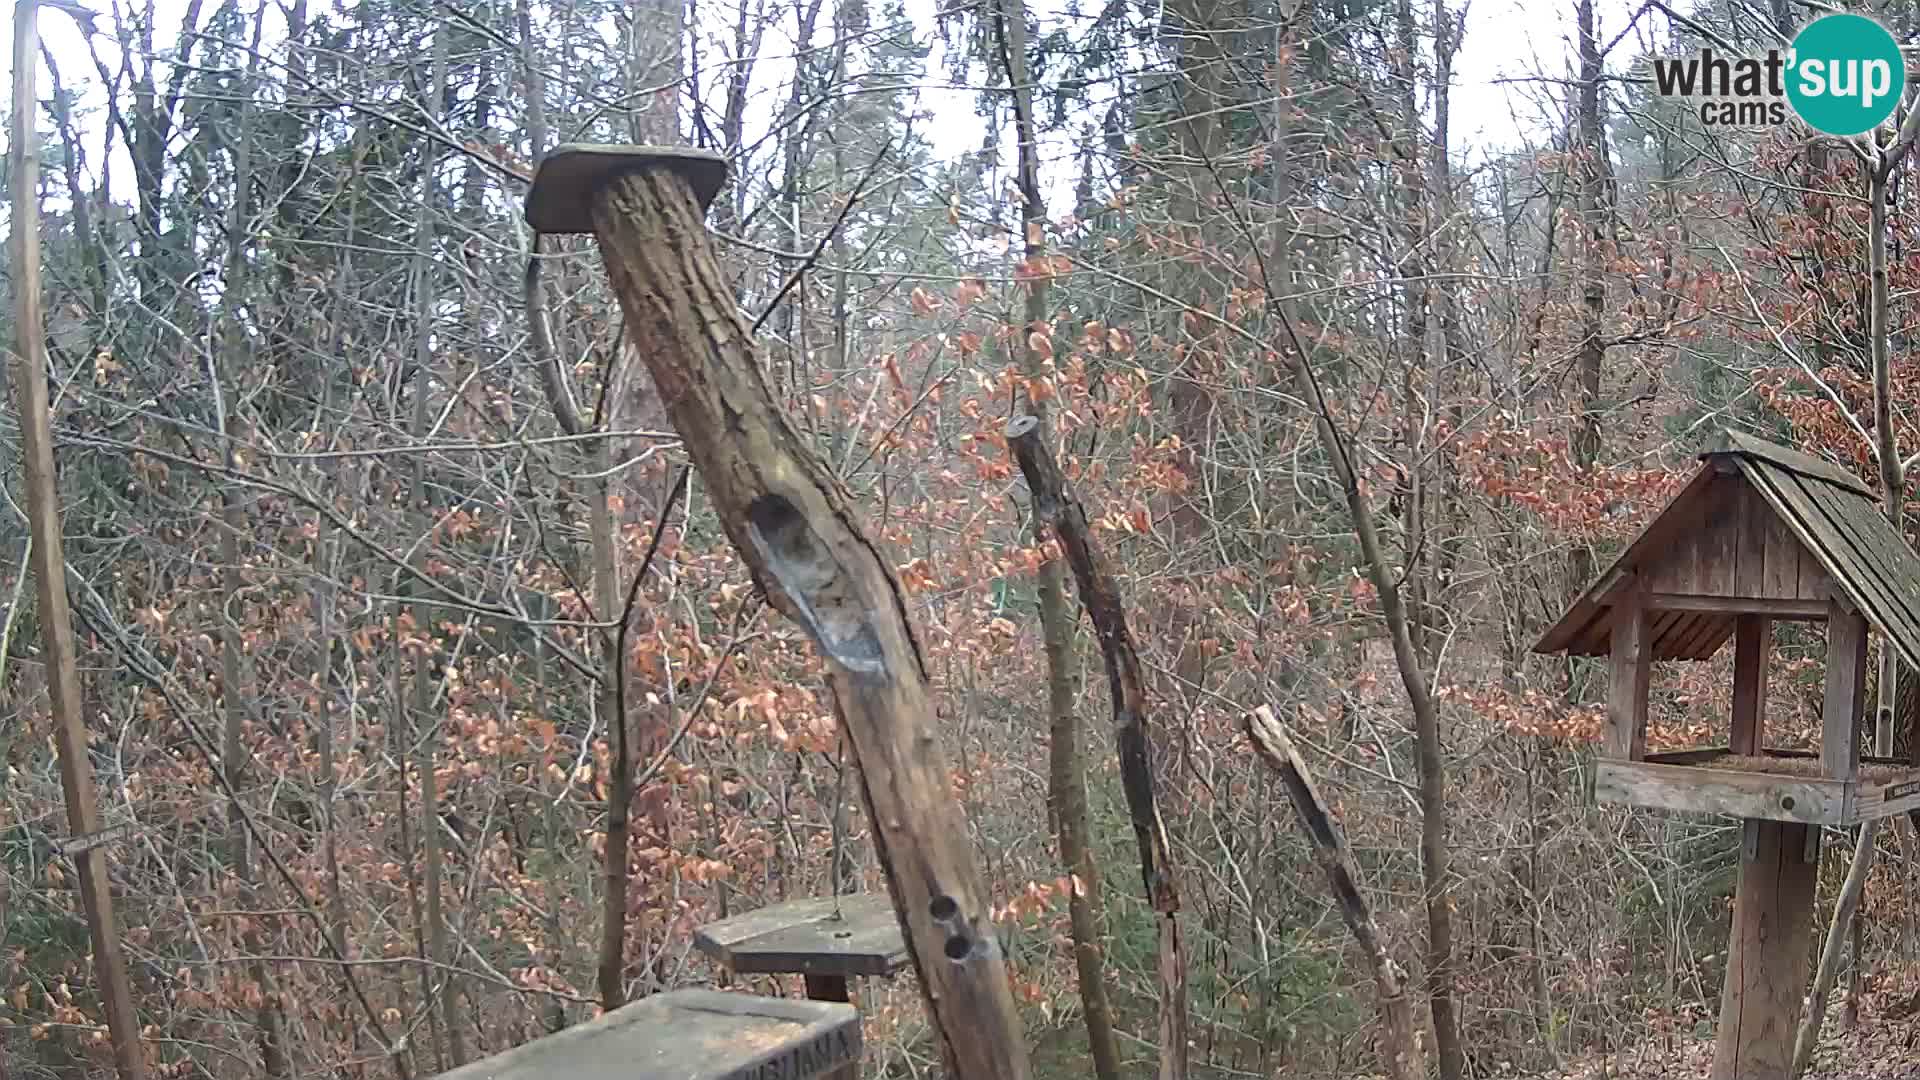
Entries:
{"x":688,"y":1035}
{"x":827,"y":941}
{"x":1760,"y":534}
{"x":1778,"y":785}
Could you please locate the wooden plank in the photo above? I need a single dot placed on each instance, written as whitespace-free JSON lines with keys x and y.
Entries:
{"x":1630,"y":671}
{"x":1715,"y":543}
{"x":1794,"y":608}
{"x":1880,"y":577}
{"x":1752,"y":648}
{"x":1846,"y":688}
{"x":1802,"y":508}
{"x":1767,"y":954}
{"x":1752,"y":520}
{"x":1794,"y":461}
{"x":688,"y":1035}
{"x":1873,"y":801}
{"x":1699,"y":755}
{"x":1727,"y":792}
{"x":804,"y":937}
{"x":1667,"y":635}
{"x":1782,"y":571}
{"x":1887,"y":556}
{"x":1706,"y":639}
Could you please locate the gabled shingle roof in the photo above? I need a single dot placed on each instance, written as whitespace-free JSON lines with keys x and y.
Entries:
{"x":1833,"y":515}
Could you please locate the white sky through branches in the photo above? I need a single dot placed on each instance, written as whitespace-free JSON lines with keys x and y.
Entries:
{"x":1508,"y":77}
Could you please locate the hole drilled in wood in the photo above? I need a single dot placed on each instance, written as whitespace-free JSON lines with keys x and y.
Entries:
{"x":802,"y":564}
{"x":1786,"y":802}
{"x":943,"y":908}
{"x":958,"y":947}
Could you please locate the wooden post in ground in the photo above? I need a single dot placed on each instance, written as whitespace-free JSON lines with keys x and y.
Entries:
{"x":796,"y":529}
{"x":1767,"y":951}
{"x":49,"y":560}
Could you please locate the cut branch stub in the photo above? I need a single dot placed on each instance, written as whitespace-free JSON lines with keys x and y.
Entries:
{"x":1400,"y":1046}
{"x":794,"y":526}
{"x":1055,"y":504}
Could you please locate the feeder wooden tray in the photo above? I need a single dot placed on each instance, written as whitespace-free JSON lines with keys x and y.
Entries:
{"x":688,"y":1035}
{"x":857,"y":935}
{"x":1775,"y":785}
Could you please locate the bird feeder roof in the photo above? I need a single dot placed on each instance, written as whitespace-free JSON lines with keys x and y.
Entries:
{"x":1759,"y":529}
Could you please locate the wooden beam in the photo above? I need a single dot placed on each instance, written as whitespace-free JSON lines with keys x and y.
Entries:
{"x":1725,"y":792}
{"x":1752,"y":647}
{"x":1772,"y":607}
{"x":1846,"y":694}
{"x":797,"y":530}
{"x":1767,"y":953}
{"x":1630,"y":667}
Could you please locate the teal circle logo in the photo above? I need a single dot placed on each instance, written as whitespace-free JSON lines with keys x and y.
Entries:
{"x":1846,"y":74}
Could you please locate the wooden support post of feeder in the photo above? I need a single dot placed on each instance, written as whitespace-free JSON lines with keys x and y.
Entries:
{"x":826,"y":941}
{"x":795,"y":527}
{"x":1760,"y":534}
{"x":688,"y":1035}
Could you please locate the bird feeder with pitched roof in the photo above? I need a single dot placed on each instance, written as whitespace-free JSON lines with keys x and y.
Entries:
{"x":1760,"y":534}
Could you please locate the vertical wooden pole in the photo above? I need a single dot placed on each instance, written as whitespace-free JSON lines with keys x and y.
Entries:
{"x":1767,"y":953}
{"x":1846,"y":692}
{"x":1630,"y":673}
{"x":1752,"y":648}
{"x":29,"y":375}
{"x":833,"y":988}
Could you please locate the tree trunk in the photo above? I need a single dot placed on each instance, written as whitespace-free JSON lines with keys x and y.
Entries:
{"x":48,"y":556}
{"x":795,"y":528}
{"x":1055,"y":504}
{"x":1065,"y":768}
{"x":1592,"y":155}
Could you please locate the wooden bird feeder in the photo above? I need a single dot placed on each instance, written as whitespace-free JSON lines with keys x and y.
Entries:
{"x":688,"y":1035}
{"x":794,"y":525}
{"x":825,"y":941}
{"x":1760,"y":534}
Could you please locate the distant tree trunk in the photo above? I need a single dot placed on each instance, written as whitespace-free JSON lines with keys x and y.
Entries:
{"x":32,"y":407}
{"x":444,"y":988}
{"x":236,"y":349}
{"x":1893,"y":494}
{"x":1591,"y":153}
{"x":1435,"y":858}
{"x":1065,"y":767}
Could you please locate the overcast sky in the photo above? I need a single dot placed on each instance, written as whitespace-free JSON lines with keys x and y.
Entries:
{"x":1505,"y":40}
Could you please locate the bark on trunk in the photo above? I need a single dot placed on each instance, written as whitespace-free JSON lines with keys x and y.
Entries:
{"x":1066,"y":781}
{"x":29,"y":376}
{"x":1400,"y":1047}
{"x":795,"y":527}
{"x":1055,"y":503}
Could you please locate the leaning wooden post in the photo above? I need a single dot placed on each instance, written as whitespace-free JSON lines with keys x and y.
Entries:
{"x":1055,"y":504}
{"x":796,"y":528}
{"x":1399,"y":1031}
{"x":49,"y":560}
